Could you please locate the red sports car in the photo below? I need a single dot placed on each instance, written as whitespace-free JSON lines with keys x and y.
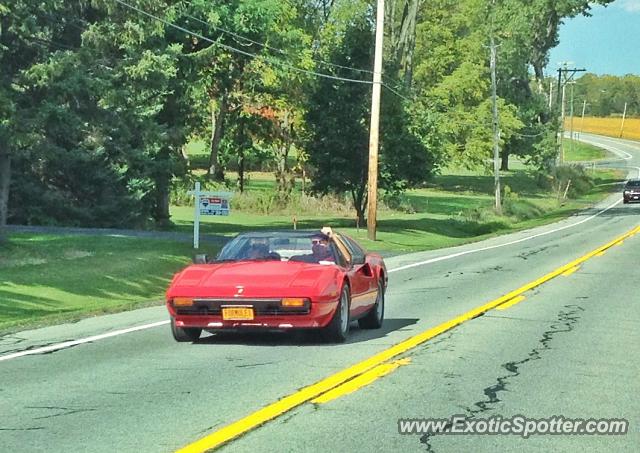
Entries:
{"x":280,"y":281}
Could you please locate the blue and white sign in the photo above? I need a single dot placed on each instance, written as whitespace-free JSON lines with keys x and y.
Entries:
{"x":208,"y":203}
{"x":214,"y":205}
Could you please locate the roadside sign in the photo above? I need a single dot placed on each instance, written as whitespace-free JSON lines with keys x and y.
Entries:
{"x":218,"y":205}
{"x":208,"y":203}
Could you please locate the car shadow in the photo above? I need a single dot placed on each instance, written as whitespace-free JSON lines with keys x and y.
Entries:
{"x":303,"y":337}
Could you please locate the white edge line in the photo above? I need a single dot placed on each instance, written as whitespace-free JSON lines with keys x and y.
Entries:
{"x":68,"y":344}
{"x":491,"y":247}
{"x":613,"y":149}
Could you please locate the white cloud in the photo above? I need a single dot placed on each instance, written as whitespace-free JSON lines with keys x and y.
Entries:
{"x":632,"y":6}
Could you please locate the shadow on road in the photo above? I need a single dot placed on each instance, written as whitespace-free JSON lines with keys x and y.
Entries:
{"x":302,"y":337}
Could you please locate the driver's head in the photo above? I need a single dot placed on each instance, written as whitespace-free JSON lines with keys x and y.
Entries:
{"x":320,"y":246}
{"x":257,"y":251}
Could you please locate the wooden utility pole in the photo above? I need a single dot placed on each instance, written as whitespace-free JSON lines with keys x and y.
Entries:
{"x":562,"y":116}
{"x":584,"y":107}
{"x":571,"y":120}
{"x":374,"y":132}
{"x":496,"y":129}
{"x":562,"y":82}
{"x":624,"y":115}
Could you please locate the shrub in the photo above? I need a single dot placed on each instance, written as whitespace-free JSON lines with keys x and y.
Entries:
{"x":558,"y":179}
{"x":180,"y":187}
{"x":397,"y":202}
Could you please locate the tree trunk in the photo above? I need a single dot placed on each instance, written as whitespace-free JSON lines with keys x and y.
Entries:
{"x":358,"y":203}
{"x":504,"y":166}
{"x":241,"y":141}
{"x":161,"y":194}
{"x":5,"y":180}
{"x":241,"y":169}
{"x":215,"y":170}
{"x":162,"y":215}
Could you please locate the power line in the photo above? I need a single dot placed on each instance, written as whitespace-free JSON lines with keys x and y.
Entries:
{"x":252,"y":55}
{"x":267,"y":46}
{"x":44,"y":42}
{"x":396,"y":92}
{"x":242,"y":52}
{"x":282,"y":52}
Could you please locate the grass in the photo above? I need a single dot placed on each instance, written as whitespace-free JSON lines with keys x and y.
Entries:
{"x":576,"y":151}
{"x":611,"y":126}
{"x":49,"y":278}
{"x":455,"y":209}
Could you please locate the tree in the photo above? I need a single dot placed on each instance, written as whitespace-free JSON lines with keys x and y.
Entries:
{"x":544,"y":18}
{"x":338,"y":122}
{"x":25,"y":39}
{"x":269,"y":29}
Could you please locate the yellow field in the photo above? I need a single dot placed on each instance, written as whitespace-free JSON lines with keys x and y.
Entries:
{"x":606,"y":126}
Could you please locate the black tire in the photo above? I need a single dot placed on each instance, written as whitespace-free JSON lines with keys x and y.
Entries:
{"x":338,"y":329}
{"x":625,"y":201}
{"x":183,"y":334}
{"x":375,"y":317}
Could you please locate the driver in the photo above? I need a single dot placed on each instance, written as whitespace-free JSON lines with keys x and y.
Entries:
{"x":320,"y":247}
{"x":320,"y":250}
{"x":258,"y":251}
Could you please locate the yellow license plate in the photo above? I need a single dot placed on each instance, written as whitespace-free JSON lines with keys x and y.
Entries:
{"x":237,"y":313}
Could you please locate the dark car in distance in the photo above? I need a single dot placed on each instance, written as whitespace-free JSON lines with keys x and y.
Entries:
{"x":631,"y":192}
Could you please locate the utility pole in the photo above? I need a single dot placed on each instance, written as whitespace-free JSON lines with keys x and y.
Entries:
{"x":562,"y":81}
{"x":550,"y":93}
{"x":571,"y":113}
{"x":624,"y":115}
{"x":374,"y":132}
{"x":584,"y":107}
{"x":496,"y":129}
{"x":562,"y":115}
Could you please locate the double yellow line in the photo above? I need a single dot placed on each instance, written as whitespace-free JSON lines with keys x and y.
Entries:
{"x":314,"y":391}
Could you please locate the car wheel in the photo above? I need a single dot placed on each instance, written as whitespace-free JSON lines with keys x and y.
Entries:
{"x":338,"y":329}
{"x":625,"y":201}
{"x":375,"y":317}
{"x":182,"y":334}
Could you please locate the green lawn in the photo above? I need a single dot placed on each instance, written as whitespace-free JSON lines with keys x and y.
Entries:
{"x":50,"y":278}
{"x":575,"y":151}
{"x":454,"y":210}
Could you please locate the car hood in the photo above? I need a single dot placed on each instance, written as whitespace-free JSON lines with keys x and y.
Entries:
{"x":252,"y":279}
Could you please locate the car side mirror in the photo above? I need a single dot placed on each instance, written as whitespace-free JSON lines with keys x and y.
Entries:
{"x":200,"y":258}
{"x":357,"y":260}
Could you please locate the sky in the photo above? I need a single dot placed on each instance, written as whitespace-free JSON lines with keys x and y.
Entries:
{"x":608,"y":42}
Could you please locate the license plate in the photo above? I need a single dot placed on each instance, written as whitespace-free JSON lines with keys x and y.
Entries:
{"x":635,"y":197}
{"x":237,"y":313}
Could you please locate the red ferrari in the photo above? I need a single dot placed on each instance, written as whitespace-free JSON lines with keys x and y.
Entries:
{"x":280,"y":281}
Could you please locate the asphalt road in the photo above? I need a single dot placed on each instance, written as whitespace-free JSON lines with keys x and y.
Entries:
{"x":569,"y":349}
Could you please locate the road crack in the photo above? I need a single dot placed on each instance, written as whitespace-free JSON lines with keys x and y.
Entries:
{"x":565,"y":323}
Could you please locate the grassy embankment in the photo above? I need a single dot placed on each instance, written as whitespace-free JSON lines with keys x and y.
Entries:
{"x":51,"y":278}
{"x":576,"y":151}
{"x":607,"y":126}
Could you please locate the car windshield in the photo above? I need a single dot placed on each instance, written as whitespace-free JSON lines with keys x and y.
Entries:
{"x":278,"y":246}
{"x":634,"y":183}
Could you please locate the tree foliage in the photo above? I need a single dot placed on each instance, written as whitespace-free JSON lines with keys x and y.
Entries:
{"x":98,"y":98}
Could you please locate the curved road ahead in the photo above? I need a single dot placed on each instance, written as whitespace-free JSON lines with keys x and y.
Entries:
{"x":569,"y":348}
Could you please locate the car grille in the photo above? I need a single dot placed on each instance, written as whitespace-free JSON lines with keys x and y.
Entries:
{"x":261,"y":307}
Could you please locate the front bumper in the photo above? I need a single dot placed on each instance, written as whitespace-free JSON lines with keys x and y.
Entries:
{"x":318,"y":316}
{"x":631,"y":197}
